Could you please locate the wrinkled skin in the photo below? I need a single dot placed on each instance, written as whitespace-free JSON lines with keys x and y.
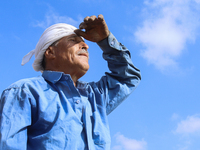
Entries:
{"x":70,"y":54}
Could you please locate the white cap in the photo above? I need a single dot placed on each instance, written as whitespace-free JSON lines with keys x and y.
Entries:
{"x":50,"y":35}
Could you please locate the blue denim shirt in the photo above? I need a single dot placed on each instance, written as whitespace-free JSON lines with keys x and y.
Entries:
{"x":49,"y":113}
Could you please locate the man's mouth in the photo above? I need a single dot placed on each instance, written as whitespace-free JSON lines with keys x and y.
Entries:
{"x":83,"y":52}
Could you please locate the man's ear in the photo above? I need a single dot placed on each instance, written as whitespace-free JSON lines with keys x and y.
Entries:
{"x":50,"y":53}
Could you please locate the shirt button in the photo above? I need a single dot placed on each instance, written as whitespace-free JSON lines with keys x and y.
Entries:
{"x":66,"y":78}
{"x":78,"y":101}
{"x":112,"y":42}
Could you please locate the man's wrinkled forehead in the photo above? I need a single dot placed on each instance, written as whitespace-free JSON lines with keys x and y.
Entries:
{"x":69,"y":38}
{"x":74,"y":36}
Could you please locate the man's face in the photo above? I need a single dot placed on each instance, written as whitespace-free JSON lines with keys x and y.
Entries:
{"x":71,"y":55}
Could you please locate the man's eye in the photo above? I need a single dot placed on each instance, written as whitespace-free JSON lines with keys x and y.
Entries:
{"x":73,"y":40}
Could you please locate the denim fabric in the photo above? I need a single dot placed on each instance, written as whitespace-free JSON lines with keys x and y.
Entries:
{"x":49,"y":113}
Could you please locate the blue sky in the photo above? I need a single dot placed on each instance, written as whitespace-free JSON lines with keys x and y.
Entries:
{"x":163,"y":37}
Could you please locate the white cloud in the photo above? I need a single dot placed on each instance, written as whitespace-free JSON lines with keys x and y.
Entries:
{"x":124,"y":143}
{"x":184,"y":146}
{"x":168,"y":26}
{"x":188,"y":131}
{"x":197,"y":1}
{"x":175,"y":117}
{"x":52,"y":17}
{"x":191,"y":125}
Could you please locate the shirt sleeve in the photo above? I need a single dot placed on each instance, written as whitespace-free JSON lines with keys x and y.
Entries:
{"x":15,"y":117}
{"x":123,"y":77}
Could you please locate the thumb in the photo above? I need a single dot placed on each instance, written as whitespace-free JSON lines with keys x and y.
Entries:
{"x":80,"y":33}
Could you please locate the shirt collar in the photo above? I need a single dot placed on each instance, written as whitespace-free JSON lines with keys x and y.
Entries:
{"x":81,"y":84}
{"x":52,"y":76}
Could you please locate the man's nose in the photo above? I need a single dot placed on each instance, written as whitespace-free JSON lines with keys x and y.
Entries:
{"x":84,"y":45}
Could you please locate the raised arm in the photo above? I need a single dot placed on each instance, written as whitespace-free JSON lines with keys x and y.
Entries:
{"x":124,"y":76}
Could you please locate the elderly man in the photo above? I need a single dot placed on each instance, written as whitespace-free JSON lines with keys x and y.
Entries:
{"x":56,"y":111}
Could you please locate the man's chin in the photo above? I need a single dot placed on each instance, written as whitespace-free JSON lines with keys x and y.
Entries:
{"x":83,"y":71}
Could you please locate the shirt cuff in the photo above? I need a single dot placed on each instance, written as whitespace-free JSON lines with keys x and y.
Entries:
{"x":110,"y":44}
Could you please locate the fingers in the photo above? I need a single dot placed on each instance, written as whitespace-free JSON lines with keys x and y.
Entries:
{"x":87,"y":20}
{"x":100,"y":17}
{"x":83,"y":25}
{"x":93,"y":18}
{"x":93,"y":28}
{"x":90,"y":19}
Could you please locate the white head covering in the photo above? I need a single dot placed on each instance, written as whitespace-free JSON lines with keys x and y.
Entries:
{"x":50,"y":35}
